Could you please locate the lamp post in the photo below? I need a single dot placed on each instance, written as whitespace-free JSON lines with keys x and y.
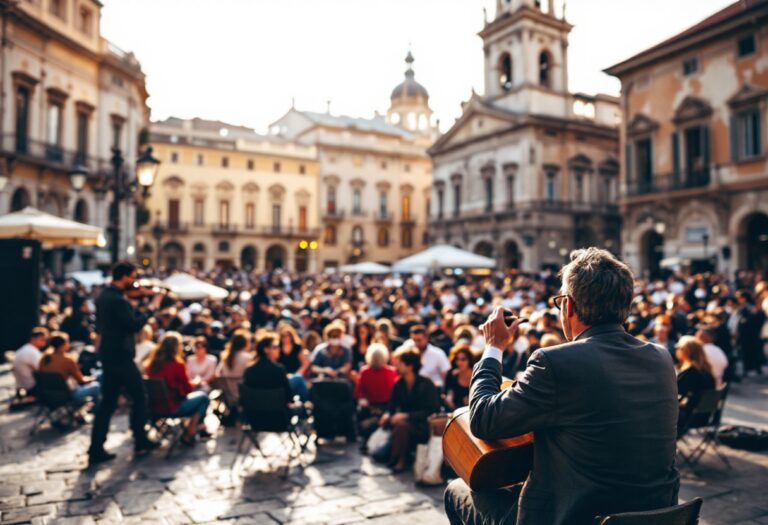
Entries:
{"x":146,"y":171}
{"x":78,"y":176}
{"x":157,"y":234}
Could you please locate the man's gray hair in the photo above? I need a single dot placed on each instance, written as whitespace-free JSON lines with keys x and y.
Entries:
{"x":601,"y":286}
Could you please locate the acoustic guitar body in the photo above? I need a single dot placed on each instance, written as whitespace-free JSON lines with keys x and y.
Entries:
{"x":486,"y":465}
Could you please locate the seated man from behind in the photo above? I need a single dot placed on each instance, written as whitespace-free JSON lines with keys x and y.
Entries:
{"x":26,"y":360}
{"x":602,"y":407}
{"x":56,"y":360}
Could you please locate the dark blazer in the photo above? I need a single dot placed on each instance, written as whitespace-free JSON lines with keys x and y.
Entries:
{"x":419,"y":403}
{"x":117,"y":324}
{"x":266,"y":375}
{"x":603,"y":410}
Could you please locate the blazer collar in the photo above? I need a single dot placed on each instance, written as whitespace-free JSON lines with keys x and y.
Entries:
{"x":600,"y":329}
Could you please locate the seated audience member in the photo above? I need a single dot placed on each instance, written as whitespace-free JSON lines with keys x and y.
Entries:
{"x":201,"y":366}
{"x":235,"y":358}
{"x":385,"y":333}
{"x":548,"y":340}
{"x":311,"y":340}
{"x":661,"y":333}
{"x":363,"y":338}
{"x":166,"y":362}
{"x":330,"y":358}
{"x":414,"y":399}
{"x":294,"y":358}
{"x":376,"y":379}
{"x":195,"y":326}
{"x":75,"y":324}
{"x":434,"y":362}
{"x":57,"y":360}
{"x":216,"y":340}
{"x":267,"y":372}
{"x":26,"y":360}
{"x":144,"y":345}
{"x":456,"y":389}
{"x":718,"y":361}
{"x":694,"y":375}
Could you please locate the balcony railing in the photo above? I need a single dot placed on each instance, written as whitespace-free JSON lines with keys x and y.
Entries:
{"x":383,"y":216}
{"x":289,"y":231}
{"x":669,"y":182}
{"x":50,"y":155}
{"x":333,"y":213}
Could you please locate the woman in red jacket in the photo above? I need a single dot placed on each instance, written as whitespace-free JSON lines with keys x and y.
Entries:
{"x":166,"y":362}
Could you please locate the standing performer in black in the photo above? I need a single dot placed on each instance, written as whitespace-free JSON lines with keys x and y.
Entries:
{"x":117,"y":324}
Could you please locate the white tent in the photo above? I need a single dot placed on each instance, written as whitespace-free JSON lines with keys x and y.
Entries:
{"x":50,"y":230}
{"x":366,"y":268}
{"x":442,"y":256}
{"x":190,"y":288}
{"x":89,"y":278}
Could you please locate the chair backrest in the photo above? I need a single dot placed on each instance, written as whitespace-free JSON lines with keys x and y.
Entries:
{"x":51,"y":389}
{"x":158,"y":397}
{"x":685,"y":514}
{"x":265,"y":410}
{"x":229,"y":388}
{"x":331,"y":392}
{"x":708,"y":409}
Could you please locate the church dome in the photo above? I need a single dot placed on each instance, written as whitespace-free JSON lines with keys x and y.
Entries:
{"x":409,"y":88}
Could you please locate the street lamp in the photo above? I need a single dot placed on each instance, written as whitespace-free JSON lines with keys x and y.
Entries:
{"x":78,"y":176}
{"x":146,"y":170}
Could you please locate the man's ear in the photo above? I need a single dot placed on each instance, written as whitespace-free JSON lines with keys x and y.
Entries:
{"x":571,"y":310}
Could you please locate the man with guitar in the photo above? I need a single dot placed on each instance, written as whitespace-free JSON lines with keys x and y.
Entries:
{"x":602,"y":408}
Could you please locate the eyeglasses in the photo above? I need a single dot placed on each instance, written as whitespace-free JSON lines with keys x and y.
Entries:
{"x":557,"y":300}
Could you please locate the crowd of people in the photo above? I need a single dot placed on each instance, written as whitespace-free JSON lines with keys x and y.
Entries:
{"x":405,"y":345}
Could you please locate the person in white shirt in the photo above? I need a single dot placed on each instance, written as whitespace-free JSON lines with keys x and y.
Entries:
{"x":27,"y":358}
{"x":718,"y":361}
{"x":434,"y":362}
{"x":201,"y":367}
{"x":144,"y":345}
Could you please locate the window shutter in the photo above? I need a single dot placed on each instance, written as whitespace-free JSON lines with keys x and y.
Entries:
{"x":675,"y":158}
{"x":759,"y":133}
{"x":734,"y":138}
{"x":628,"y":162}
{"x":705,"y":154}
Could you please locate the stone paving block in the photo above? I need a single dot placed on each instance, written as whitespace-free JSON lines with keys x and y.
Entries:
{"x":38,"y":487}
{"x":246,"y":509}
{"x":12,"y":502}
{"x":133,"y":503}
{"x":418,"y":517}
{"x":88,"y":507}
{"x":387,"y":507}
{"x":25,"y":514}
{"x":9,"y":489}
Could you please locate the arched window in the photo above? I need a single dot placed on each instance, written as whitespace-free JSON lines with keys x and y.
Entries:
{"x":545,"y":69}
{"x":505,"y":72}
{"x":198,"y":248}
{"x":383,"y":237}
{"x":20,"y":199}
{"x":224,"y":246}
{"x":357,"y":235}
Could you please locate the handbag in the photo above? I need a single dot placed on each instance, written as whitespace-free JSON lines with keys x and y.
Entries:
{"x":378,"y":440}
{"x":429,"y":462}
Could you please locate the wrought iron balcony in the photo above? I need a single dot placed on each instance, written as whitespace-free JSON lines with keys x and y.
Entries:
{"x":49,"y":155}
{"x":669,"y":182}
{"x":383,"y":216}
{"x":333,"y":214}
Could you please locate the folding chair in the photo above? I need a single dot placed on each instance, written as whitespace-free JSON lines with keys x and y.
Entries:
{"x":167,"y":426}
{"x":334,"y":409}
{"x":704,"y":420}
{"x":685,"y":514}
{"x":224,"y":398}
{"x":267,"y":410}
{"x":55,"y":402}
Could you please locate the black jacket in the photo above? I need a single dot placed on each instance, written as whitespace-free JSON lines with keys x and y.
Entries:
{"x":603,"y":410}
{"x":117,"y":324}
{"x":266,"y":375}
{"x":419,"y":403}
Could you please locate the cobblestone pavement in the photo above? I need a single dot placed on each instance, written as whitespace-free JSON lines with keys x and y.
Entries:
{"x":43,"y":480}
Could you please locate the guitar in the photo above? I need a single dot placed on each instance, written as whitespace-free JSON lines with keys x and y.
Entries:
{"x":486,"y":465}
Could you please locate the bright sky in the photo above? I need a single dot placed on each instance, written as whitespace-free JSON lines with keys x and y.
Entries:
{"x":242,"y":61}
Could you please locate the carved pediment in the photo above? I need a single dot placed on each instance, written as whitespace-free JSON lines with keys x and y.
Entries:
{"x":406,"y":189}
{"x":692,"y":108}
{"x":383,"y":185}
{"x":276,"y":191}
{"x":747,"y":95}
{"x":331,"y":180}
{"x":225,"y":186}
{"x":580,"y":162}
{"x":250,"y":187}
{"x":641,"y":124}
{"x":477,"y":120}
{"x":173,"y":182}
{"x":609,"y":167}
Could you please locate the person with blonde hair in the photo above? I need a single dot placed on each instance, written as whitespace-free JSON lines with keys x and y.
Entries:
{"x":694,"y":371}
{"x":166,"y":362}
{"x":144,"y":344}
{"x":235,"y":358}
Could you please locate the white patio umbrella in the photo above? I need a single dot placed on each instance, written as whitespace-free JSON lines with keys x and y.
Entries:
{"x":31,"y":223}
{"x":190,"y":288}
{"x":442,"y":256}
{"x":366,"y":268}
{"x":89,"y":278}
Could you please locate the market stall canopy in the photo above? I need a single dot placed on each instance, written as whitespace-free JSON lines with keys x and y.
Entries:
{"x":366,"y":268}
{"x":442,"y":256}
{"x":190,"y":288}
{"x":89,"y":278}
{"x":50,"y":230}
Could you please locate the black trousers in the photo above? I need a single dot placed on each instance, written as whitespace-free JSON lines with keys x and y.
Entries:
{"x":119,"y":378}
{"x":467,"y":507}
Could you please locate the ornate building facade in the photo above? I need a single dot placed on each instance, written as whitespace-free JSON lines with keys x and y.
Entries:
{"x":227,"y":196}
{"x":695,"y":171}
{"x":375,"y":175}
{"x":70,"y":96}
{"x":529,"y":171}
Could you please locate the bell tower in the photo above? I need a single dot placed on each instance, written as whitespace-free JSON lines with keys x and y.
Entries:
{"x":526,"y":57}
